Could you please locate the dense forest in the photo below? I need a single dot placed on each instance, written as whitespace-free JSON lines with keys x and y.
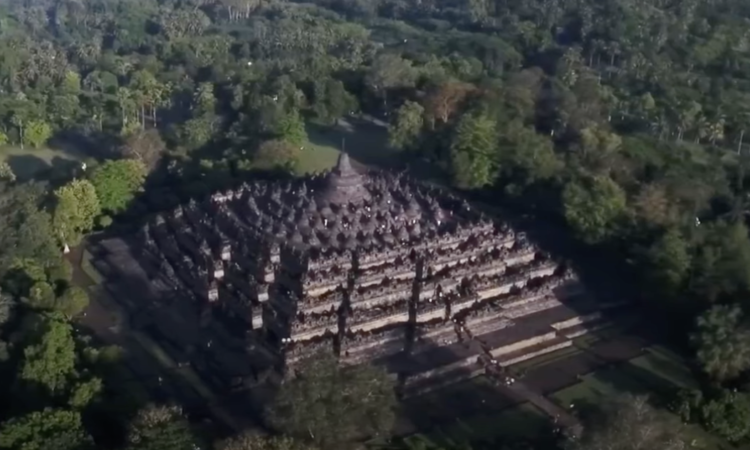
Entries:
{"x":622,"y":121}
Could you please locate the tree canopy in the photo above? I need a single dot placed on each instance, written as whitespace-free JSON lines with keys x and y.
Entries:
{"x":315,"y":404}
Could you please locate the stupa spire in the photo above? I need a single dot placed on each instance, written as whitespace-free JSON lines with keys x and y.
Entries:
{"x":344,"y":166}
{"x":343,"y":185}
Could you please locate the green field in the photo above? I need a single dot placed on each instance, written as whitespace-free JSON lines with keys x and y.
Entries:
{"x":28,"y":163}
{"x":364,"y":142}
{"x":316,"y":158}
{"x":520,"y":422}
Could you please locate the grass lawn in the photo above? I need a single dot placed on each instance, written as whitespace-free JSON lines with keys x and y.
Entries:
{"x":523,"y":421}
{"x":365,"y":142}
{"x":29,"y":162}
{"x":653,"y":373}
{"x":316,"y":158}
{"x":667,"y":366}
{"x":596,"y":386}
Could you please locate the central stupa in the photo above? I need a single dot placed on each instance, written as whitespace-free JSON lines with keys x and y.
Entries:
{"x":343,"y":185}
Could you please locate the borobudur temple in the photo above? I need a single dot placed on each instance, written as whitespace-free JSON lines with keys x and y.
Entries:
{"x":373,"y":267}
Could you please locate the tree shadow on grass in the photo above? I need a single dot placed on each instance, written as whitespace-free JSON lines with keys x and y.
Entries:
{"x":30,"y":167}
{"x":79,"y":143}
{"x":27,"y":167}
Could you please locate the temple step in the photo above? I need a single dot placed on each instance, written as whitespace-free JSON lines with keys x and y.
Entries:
{"x":534,"y":351}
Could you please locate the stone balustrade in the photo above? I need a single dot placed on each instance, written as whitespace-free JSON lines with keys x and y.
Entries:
{"x":402,"y":273}
{"x":432,"y":288}
{"x":321,"y":290}
{"x":385,"y":287}
{"x":397,"y":318}
{"x":309,"y":326}
{"x":355,"y":342}
{"x":323,"y":302}
{"x":454,"y":256}
{"x":360,"y":316}
{"x":530,"y":308}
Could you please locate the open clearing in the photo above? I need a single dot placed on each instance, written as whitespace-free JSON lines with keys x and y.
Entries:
{"x":29,"y":163}
{"x":364,"y":140}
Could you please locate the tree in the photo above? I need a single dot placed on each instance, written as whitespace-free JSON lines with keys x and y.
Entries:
{"x":197,"y":132}
{"x":6,"y":172}
{"x":37,"y":133}
{"x":145,"y":146}
{"x":330,"y":404}
{"x":291,"y":128}
{"x":84,"y":393}
{"x":25,"y":229}
{"x":654,"y":207}
{"x":629,"y":423}
{"x":41,"y":296}
{"x":77,"y":207}
{"x":254,"y":441}
{"x":722,"y":265}
{"x":332,"y":100}
{"x":526,"y":155}
{"x":21,"y":275}
{"x":7,"y":305}
{"x":667,"y":262}
{"x":276,"y":154}
{"x":593,"y":207}
{"x":73,"y":301}
{"x":160,"y":428}
{"x":444,"y":100}
{"x":116,"y":183}
{"x":722,"y":344}
{"x":51,"y":363}
{"x":598,"y":147}
{"x":390,"y":71}
{"x":727,"y":414}
{"x":473,"y":151}
{"x":44,"y":430}
{"x":404,"y":132}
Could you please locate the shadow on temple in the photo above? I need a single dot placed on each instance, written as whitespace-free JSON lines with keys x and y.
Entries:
{"x":232,"y":288}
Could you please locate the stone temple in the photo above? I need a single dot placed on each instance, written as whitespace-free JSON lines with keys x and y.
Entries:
{"x":373,"y":267}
